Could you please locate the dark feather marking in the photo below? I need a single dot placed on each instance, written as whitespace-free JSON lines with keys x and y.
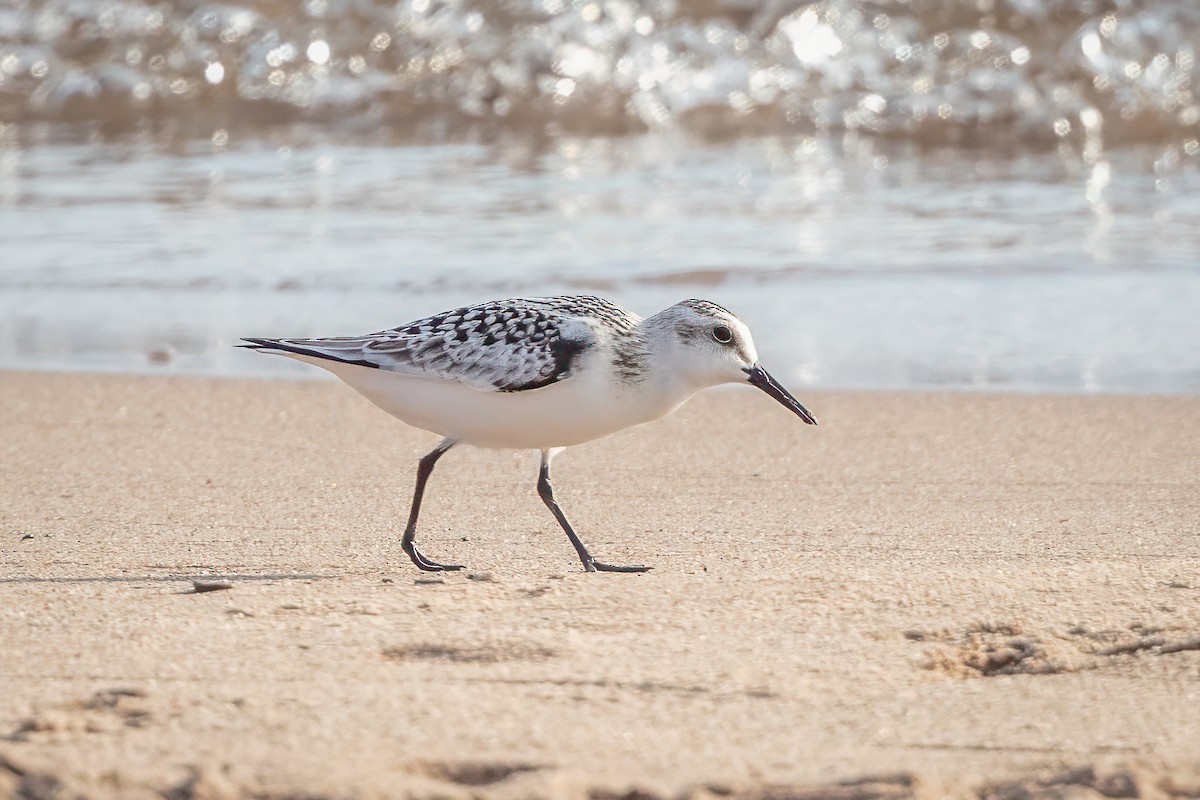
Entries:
{"x":278,"y":344}
{"x":706,"y":307}
{"x":565,"y":352}
{"x":630,"y":358}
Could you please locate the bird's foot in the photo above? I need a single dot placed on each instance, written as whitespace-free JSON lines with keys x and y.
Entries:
{"x":426,"y":565}
{"x":600,"y":566}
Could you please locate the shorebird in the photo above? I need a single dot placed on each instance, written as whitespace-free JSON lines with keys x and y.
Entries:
{"x":538,"y":374}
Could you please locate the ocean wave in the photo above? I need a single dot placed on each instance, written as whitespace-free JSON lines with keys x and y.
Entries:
{"x":1017,"y":73}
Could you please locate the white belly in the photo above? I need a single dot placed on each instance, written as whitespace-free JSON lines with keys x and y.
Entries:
{"x":586,"y":406}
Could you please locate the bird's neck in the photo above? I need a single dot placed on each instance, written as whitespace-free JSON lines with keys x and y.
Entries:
{"x":668,"y":376}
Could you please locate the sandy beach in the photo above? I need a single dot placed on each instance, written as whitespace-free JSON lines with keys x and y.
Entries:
{"x":929,"y":595}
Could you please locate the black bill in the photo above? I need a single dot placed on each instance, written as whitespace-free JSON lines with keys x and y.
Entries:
{"x":763,"y":380}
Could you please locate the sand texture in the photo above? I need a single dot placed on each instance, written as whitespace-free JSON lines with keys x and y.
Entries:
{"x":929,"y":595}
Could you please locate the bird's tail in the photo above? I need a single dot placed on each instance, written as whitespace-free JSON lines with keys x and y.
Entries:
{"x":346,"y":351}
{"x":267,"y":345}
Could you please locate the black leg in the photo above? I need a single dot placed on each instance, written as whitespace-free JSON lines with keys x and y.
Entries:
{"x":424,"y":468}
{"x":546,"y":492}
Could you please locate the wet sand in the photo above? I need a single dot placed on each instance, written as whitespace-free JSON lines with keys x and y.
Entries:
{"x":929,"y":595}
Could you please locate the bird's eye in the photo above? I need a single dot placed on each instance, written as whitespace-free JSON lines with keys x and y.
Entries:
{"x":722,"y":334}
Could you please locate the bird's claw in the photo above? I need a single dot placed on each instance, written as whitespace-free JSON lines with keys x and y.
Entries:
{"x":600,"y":566}
{"x":426,"y":565}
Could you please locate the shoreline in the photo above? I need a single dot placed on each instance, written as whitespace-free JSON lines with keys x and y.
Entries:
{"x":288,"y":375}
{"x":931,"y":594}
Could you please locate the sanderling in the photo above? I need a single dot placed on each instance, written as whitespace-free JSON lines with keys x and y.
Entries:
{"x":538,"y":374}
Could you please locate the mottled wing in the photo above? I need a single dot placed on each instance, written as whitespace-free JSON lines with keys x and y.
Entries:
{"x":507,"y":346}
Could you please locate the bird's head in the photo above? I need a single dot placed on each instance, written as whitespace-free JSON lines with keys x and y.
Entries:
{"x":709,"y":345}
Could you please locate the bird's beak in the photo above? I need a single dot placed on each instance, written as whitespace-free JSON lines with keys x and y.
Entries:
{"x":763,"y":380}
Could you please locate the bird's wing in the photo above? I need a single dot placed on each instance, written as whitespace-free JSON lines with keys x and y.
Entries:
{"x":506,"y":346}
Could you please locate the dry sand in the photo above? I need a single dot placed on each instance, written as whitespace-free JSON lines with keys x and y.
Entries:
{"x":929,"y":595}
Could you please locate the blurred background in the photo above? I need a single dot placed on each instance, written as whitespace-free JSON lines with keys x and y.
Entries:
{"x":994,"y":194}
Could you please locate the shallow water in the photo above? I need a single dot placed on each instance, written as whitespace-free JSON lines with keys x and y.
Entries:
{"x":1002,"y":73}
{"x":857,"y":265}
{"x":1003,"y":194}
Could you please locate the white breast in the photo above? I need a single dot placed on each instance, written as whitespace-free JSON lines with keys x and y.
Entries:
{"x":588,"y":405}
